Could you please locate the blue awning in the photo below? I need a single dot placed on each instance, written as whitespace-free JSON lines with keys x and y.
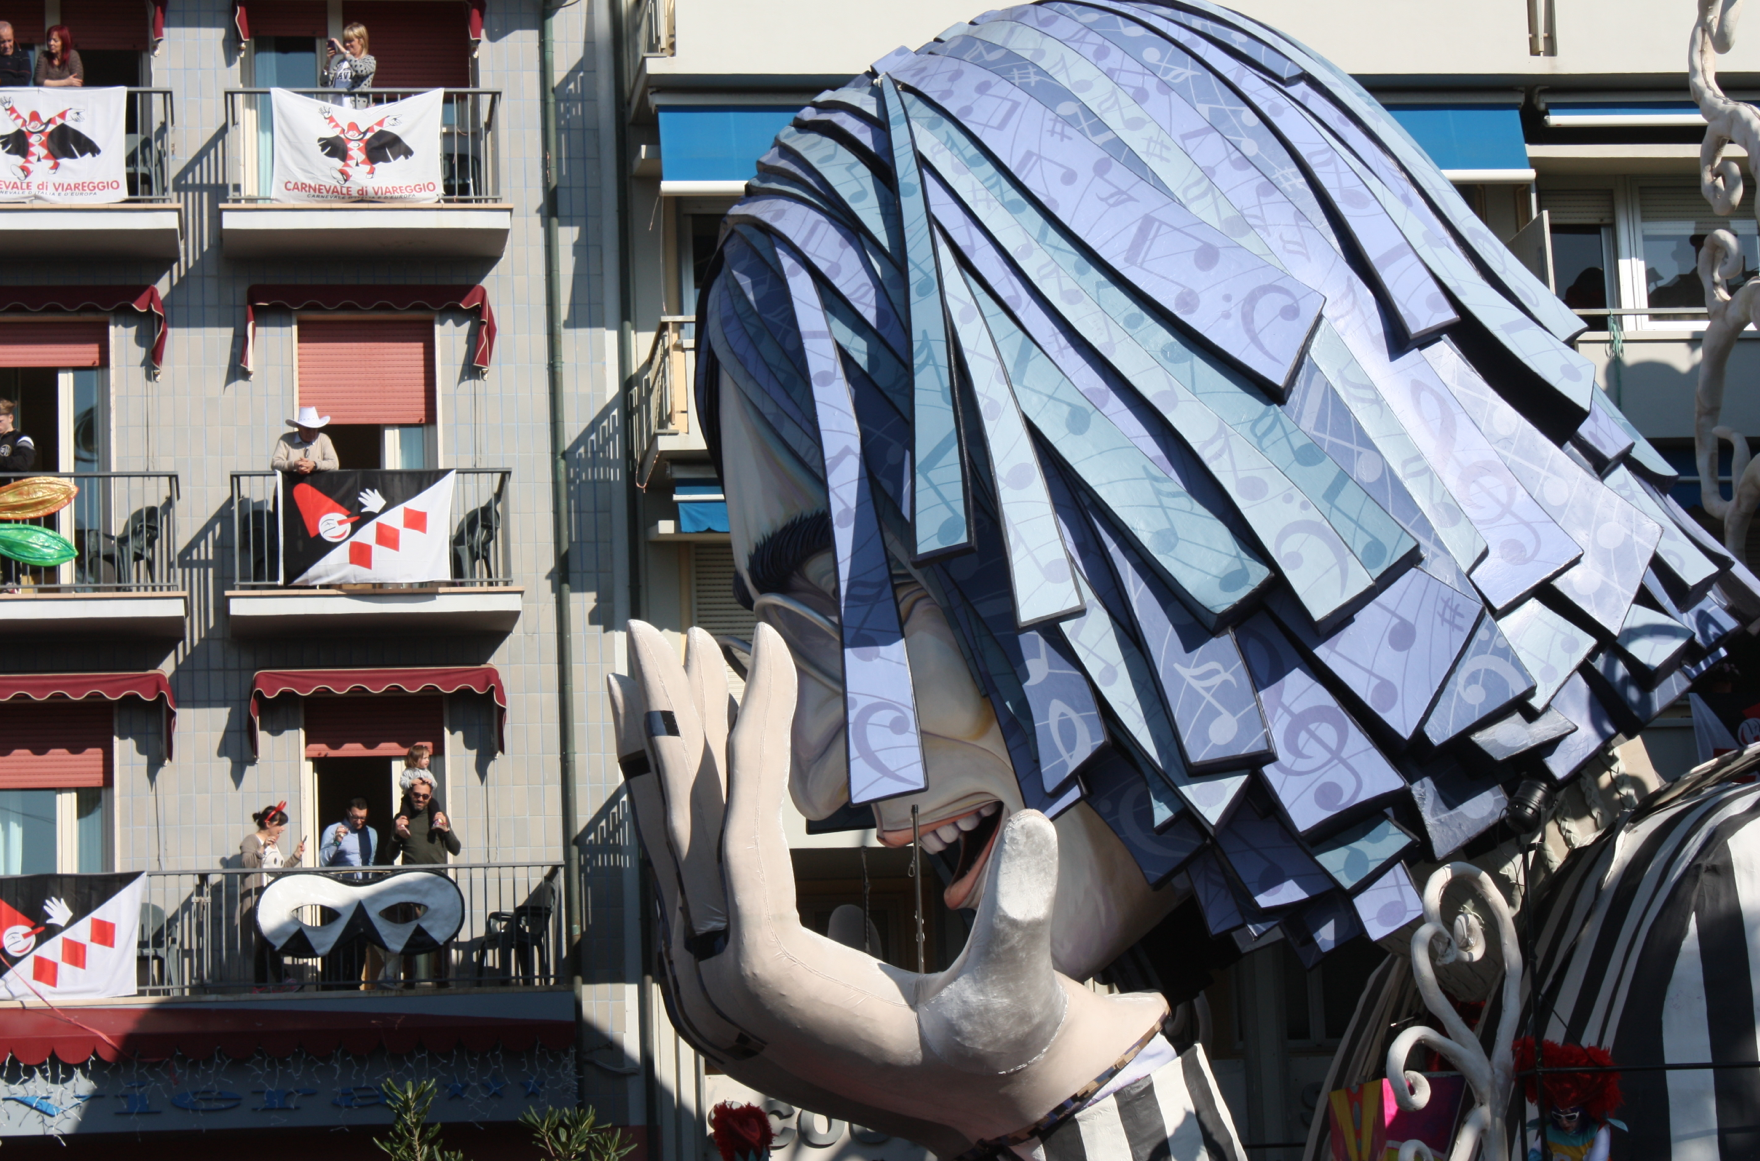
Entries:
{"x":1470,"y":142}
{"x":701,"y":507}
{"x":1603,"y":112}
{"x":718,"y":142}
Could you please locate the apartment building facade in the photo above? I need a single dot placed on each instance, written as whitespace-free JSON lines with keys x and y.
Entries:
{"x":171,"y":680}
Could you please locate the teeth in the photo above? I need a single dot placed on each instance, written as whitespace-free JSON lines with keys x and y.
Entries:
{"x":947,"y":833}
{"x":932,"y":842}
{"x":990,"y":809}
{"x":968,"y":821}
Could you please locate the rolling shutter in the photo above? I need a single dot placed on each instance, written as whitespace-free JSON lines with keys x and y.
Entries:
{"x":418,"y":44}
{"x":290,"y":18}
{"x":365,"y":370}
{"x":381,"y":726}
{"x":107,"y":24}
{"x":713,"y":608}
{"x":1578,"y":207}
{"x":75,"y":343}
{"x":56,"y":744}
{"x":26,"y":21}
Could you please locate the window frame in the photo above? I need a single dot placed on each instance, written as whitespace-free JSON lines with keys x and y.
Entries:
{"x":433,"y":447}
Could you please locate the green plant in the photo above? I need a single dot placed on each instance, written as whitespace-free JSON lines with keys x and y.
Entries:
{"x":411,"y":1137}
{"x":574,"y":1135}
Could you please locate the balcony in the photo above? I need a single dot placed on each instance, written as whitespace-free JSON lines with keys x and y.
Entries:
{"x":148,"y":225}
{"x":478,"y":598}
{"x":192,"y":943}
{"x":469,"y":221}
{"x":124,"y":580}
{"x":661,"y":403}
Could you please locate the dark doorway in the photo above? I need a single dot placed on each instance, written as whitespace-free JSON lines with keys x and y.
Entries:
{"x":358,"y":445}
{"x":111,"y":67}
{"x":341,"y":780}
{"x":37,"y":392}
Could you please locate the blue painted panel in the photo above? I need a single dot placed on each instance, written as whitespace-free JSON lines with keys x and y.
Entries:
{"x":1271,"y":862}
{"x":1361,"y":850}
{"x":1389,"y":904}
{"x":1456,"y":807}
{"x":1120,"y":796}
{"x":718,"y":142}
{"x":1516,"y":734}
{"x":1488,"y":678}
{"x":703,"y":516}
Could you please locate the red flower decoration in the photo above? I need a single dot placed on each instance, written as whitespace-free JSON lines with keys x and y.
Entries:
{"x":740,"y":1130}
{"x":1596,"y":1093}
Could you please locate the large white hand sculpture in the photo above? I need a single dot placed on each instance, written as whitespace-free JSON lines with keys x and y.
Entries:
{"x":977,"y":1052}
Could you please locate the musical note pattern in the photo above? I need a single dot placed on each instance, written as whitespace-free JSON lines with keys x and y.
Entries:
{"x":1271,"y":509}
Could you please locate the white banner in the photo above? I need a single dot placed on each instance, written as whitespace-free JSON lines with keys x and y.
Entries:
{"x":62,"y":145}
{"x":329,"y":151}
{"x":80,"y":943}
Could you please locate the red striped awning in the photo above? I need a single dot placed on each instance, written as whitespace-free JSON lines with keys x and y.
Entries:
{"x":150,"y":685}
{"x":372,"y":298}
{"x":484,"y":679}
{"x":159,"y":1031}
{"x":111,"y":298}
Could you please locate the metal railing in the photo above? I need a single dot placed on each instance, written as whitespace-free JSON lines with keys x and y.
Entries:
{"x":660,"y":402}
{"x":480,"y":548}
{"x":652,"y":31}
{"x":122,"y":525}
{"x":148,"y":118}
{"x":470,"y":162}
{"x":198,"y":935}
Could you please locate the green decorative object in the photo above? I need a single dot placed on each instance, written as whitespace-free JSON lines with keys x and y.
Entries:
{"x":38,"y":547}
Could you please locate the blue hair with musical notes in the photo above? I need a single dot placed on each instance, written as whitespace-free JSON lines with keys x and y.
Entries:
{"x":1274,"y":512}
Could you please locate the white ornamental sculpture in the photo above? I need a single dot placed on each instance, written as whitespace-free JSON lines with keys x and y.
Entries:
{"x":1727,"y":123}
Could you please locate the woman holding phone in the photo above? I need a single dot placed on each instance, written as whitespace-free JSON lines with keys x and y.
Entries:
{"x":350,"y":67}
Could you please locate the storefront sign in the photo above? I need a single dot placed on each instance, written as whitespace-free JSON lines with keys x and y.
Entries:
{"x":327,"y":151}
{"x":62,"y":145}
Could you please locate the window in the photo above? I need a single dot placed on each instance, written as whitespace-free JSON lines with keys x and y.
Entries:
{"x":1675,"y":220}
{"x":393,"y":424}
{"x":1581,"y":225}
{"x":112,"y":37}
{"x":55,"y":776}
{"x":416,"y":44}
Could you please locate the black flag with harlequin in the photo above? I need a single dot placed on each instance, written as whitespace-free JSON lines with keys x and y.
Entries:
{"x":69,"y":936}
{"x":358,"y":527}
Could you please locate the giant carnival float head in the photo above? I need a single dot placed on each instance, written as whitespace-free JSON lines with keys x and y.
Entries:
{"x":1121,"y":416}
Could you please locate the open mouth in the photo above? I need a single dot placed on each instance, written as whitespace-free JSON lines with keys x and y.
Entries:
{"x":975,"y":834}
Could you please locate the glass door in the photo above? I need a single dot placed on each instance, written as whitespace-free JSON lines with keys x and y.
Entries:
{"x":280,"y":62}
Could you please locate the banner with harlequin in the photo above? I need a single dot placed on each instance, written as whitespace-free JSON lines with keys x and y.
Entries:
{"x":69,"y":937}
{"x":362,"y":527}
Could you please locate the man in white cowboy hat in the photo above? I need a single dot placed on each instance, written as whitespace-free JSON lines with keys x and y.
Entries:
{"x":306,"y":449}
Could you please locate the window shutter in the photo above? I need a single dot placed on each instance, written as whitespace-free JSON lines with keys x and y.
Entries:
{"x":75,"y":343}
{"x":1684,"y":203}
{"x":52,"y":744}
{"x":376,"y":726}
{"x":366,"y":370}
{"x":418,"y":44}
{"x":289,"y":18}
{"x":26,"y":21}
{"x":713,"y":608}
{"x":1578,"y":207}
{"x":107,"y":24}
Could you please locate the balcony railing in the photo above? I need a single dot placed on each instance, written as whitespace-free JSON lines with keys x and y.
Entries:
{"x":481,"y":554}
{"x":652,"y":32}
{"x":660,"y":401}
{"x":470,"y":163}
{"x":198,"y":935}
{"x":123,"y":525}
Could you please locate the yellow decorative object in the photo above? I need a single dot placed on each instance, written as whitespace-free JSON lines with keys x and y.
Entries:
{"x":35,"y":498}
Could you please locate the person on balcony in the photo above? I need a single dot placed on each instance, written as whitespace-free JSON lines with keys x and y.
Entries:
{"x":306,"y":449}
{"x":351,"y":842}
{"x":58,"y":65}
{"x":18,"y":452}
{"x":350,"y":67}
{"x":15,"y":62}
{"x":263,"y":849}
{"x":421,"y":833}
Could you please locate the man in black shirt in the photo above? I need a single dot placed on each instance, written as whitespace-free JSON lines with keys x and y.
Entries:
{"x":18,"y":452}
{"x":15,"y":62}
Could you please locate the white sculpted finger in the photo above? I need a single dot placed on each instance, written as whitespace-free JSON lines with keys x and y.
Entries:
{"x":706,"y":674}
{"x":1001,"y":1004}
{"x":643,"y":786}
{"x":760,"y":873}
{"x":673,"y":734}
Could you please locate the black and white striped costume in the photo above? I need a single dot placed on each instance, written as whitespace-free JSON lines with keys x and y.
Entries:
{"x":1648,"y":943}
{"x":1165,"y":1107}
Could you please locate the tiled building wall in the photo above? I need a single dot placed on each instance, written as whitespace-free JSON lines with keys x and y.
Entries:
{"x":203,"y":418}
